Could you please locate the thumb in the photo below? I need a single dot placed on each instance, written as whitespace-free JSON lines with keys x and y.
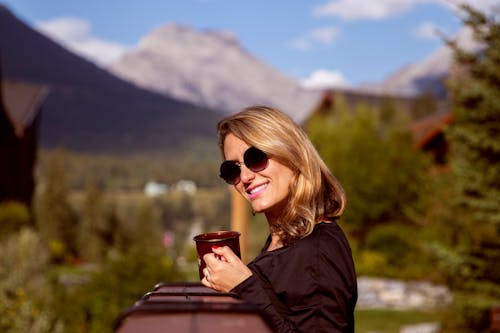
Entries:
{"x":226,"y":252}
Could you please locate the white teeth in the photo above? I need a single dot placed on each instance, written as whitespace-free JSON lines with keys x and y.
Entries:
{"x":258,"y":188}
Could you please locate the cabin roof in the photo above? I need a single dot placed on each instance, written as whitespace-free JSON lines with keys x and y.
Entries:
{"x":427,"y":128}
{"x":22,"y":101}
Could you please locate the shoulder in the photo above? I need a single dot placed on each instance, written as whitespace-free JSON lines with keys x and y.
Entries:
{"x":329,"y":245}
{"x":326,"y":235}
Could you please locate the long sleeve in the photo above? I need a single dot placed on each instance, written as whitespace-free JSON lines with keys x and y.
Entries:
{"x":260,"y":293}
{"x":308,"y":287}
{"x":335,"y":280}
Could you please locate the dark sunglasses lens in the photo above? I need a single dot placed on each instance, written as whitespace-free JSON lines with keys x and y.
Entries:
{"x":230,"y":172}
{"x":255,"y":159}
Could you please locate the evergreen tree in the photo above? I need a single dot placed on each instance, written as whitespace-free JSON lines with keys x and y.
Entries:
{"x":475,"y":166}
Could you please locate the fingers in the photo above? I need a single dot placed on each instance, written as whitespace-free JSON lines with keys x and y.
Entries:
{"x":226,"y":253}
{"x":210,"y":259}
{"x":206,"y":281}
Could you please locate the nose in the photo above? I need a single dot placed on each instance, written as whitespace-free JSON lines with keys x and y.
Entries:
{"x":246,"y":174}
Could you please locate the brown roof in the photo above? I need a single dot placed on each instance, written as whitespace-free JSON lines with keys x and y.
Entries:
{"x":22,"y":101}
{"x":425,"y":129}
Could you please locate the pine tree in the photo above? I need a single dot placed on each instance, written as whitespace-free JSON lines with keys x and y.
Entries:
{"x":475,"y":167}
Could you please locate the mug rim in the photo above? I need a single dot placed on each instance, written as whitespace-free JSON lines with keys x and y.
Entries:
{"x":224,"y":235}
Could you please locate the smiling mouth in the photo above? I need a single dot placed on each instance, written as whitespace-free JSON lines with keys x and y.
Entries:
{"x":254,"y":192}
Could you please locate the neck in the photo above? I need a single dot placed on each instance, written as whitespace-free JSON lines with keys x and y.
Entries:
{"x":275,"y":243}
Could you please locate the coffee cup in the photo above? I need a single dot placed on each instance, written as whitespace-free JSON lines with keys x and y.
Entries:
{"x":205,"y":242}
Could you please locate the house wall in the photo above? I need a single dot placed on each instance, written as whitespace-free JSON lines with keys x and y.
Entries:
{"x":17,"y":160}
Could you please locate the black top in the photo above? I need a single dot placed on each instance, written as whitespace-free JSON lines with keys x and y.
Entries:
{"x":309,"y":286}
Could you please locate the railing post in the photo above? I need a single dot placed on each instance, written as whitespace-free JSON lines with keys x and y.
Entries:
{"x":239,"y":220}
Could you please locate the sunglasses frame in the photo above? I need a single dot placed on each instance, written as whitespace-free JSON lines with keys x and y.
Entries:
{"x":252,"y":162}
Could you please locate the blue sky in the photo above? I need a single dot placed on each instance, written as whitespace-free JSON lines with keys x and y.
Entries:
{"x":341,"y":42}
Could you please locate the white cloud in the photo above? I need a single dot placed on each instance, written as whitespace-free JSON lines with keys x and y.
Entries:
{"x":322,"y":36}
{"x":301,"y":43}
{"x":323,"y":79}
{"x":351,"y":10}
{"x":428,"y":30}
{"x":362,"y":9}
{"x":75,"y":34}
{"x":482,"y":5}
{"x":325,"y":35}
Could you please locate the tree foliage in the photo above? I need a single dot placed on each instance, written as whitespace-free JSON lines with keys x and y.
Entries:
{"x":375,"y":163}
{"x":13,"y":216}
{"x":56,"y":218}
{"x":23,"y":264}
{"x":475,"y":167}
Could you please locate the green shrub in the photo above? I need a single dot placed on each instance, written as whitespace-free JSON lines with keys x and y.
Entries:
{"x":13,"y":216}
{"x":395,"y":242}
{"x":370,"y":262}
{"x":23,"y":294}
{"x":468,"y":313}
{"x":110,"y":288}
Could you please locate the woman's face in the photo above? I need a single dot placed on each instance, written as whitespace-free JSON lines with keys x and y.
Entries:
{"x":266,"y":190}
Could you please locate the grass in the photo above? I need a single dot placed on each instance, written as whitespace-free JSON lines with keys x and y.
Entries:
{"x":389,"y":321}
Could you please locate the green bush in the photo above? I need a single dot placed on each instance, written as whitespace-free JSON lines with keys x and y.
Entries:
{"x":13,"y":216}
{"x":110,"y":288}
{"x":370,"y":262}
{"x":395,"y":242}
{"x":23,"y":294}
{"x":468,"y":313}
{"x":398,"y":251}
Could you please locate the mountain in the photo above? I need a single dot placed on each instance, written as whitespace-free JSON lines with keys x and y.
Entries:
{"x":211,"y":69}
{"x":88,"y":108}
{"x":427,"y":75}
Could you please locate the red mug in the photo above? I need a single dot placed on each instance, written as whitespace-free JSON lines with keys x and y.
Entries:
{"x":205,"y":242}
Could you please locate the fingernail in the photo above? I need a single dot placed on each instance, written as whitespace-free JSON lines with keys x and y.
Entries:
{"x":215,"y":247}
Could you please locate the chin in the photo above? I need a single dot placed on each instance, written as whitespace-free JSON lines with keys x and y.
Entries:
{"x":258,"y":208}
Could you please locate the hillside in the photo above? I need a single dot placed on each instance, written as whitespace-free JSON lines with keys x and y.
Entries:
{"x":89,"y":109}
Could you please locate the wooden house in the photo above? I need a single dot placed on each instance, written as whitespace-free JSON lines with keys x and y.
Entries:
{"x":428,"y":131}
{"x":20,"y":109}
{"x":429,"y":135}
{"x":354,"y":98}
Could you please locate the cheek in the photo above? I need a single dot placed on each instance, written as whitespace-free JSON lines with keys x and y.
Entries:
{"x":285,"y":178}
{"x":286,"y":183}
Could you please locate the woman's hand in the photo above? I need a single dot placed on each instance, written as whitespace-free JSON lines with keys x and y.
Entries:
{"x":224,"y":269}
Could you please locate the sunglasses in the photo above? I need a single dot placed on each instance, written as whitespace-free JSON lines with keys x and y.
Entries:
{"x":255,"y":160}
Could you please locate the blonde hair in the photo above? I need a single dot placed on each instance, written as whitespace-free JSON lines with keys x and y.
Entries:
{"x":315,"y":194}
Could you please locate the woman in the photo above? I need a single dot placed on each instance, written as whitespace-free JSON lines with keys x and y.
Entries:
{"x":304,"y":278}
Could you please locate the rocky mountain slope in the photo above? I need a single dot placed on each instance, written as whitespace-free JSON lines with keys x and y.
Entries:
{"x":166,"y":90}
{"x":211,"y":69}
{"x":427,"y":75}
